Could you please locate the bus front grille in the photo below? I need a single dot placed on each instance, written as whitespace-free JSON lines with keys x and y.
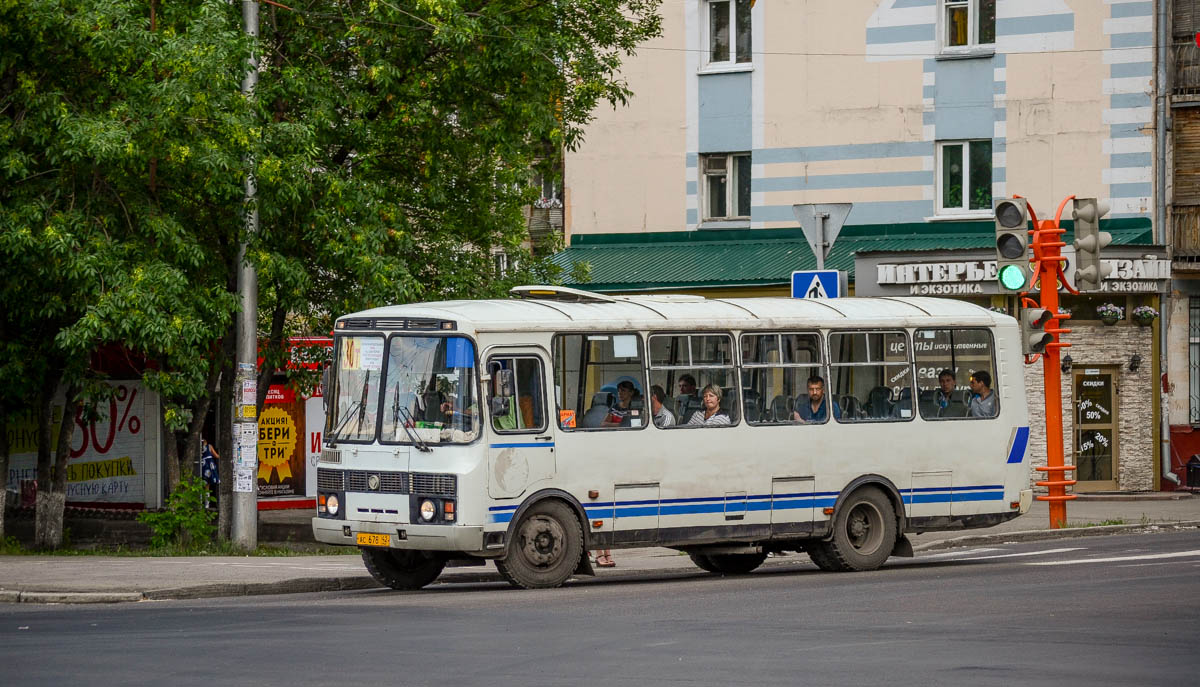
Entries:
{"x":331,"y":479}
{"x":437,"y":485}
{"x":388,"y":482}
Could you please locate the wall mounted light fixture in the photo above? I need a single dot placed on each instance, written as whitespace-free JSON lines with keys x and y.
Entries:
{"x":1066,"y":363}
{"x":1135,"y":361}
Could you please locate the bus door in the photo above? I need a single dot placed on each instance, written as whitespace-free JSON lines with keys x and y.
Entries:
{"x":520,"y":439}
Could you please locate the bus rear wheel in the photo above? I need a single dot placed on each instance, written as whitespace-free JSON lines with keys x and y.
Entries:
{"x":728,"y":563}
{"x":404,"y":570}
{"x":864,"y":533}
{"x":545,"y":548}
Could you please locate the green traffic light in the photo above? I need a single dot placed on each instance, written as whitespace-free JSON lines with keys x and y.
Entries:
{"x":1012,"y":277}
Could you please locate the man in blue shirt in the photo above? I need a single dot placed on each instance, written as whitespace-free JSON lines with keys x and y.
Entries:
{"x":815,"y":410}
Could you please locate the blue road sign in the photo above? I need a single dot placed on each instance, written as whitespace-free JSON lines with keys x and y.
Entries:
{"x":816,"y":284}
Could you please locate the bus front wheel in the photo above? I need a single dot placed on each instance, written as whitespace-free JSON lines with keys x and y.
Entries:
{"x":545,"y":548}
{"x":864,"y":532}
{"x":404,"y":570}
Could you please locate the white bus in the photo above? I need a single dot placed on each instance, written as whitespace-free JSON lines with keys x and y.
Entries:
{"x":528,"y":431}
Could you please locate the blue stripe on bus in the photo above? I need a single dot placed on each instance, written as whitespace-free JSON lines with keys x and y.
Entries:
{"x":539,"y":444}
{"x":1017,"y":453}
{"x":759,"y":502}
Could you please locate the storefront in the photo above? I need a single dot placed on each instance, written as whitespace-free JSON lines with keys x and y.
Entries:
{"x":1110,"y":398}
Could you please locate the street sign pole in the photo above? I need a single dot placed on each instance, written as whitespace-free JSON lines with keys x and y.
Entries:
{"x":821,"y":222}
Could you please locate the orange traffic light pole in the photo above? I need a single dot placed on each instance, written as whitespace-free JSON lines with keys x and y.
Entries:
{"x":1047,"y":267}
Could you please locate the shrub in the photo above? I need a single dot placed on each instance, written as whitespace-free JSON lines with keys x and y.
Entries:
{"x":186,"y":522}
{"x":1110,"y":310}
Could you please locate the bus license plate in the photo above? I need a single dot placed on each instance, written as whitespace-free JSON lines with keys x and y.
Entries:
{"x":371,"y":539}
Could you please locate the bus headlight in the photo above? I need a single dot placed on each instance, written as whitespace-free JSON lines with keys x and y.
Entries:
{"x":332,"y":504}
{"x":428,"y":510}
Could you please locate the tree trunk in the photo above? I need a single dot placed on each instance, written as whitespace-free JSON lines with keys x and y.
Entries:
{"x":52,"y":491}
{"x":5,"y":418}
{"x":225,"y":437}
{"x":274,"y":342}
{"x":171,"y":457}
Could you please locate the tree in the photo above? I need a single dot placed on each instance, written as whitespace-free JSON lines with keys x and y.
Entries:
{"x":122,"y":136}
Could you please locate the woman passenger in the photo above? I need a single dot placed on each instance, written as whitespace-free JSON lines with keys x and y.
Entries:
{"x":711,"y":414}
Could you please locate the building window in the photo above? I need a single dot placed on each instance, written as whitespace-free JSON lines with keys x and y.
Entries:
{"x":729,"y":32}
{"x":968,"y":23}
{"x":726,"y":186}
{"x":964,"y":177}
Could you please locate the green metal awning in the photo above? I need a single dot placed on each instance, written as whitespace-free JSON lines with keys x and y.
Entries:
{"x":767,"y":257}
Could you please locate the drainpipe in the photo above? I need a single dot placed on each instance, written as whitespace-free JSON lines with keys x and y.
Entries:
{"x":1164,"y":233}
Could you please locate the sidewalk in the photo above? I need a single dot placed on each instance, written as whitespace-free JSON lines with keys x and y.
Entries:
{"x":109,"y":579}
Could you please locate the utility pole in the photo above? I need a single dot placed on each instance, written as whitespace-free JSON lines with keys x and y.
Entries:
{"x":245,"y":392}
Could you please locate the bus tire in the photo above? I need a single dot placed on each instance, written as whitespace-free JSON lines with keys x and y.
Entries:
{"x":545,"y":548}
{"x":401,"y":569}
{"x":735,"y":563}
{"x":864,"y":532}
{"x":820,"y":555}
{"x":703,"y":562}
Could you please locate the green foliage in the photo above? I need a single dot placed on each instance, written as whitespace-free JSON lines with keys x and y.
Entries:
{"x":186,"y":523}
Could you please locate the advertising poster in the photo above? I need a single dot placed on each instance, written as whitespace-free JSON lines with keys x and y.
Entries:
{"x":282,"y":455}
{"x":107,"y":463}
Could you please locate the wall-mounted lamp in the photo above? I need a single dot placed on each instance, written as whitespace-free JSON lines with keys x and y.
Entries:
{"x":1135,"y":362}
{"x":1066,"y":363}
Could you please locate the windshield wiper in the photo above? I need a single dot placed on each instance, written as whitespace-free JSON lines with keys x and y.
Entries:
{"x":333,"y":438}
{"x":411,"y":431}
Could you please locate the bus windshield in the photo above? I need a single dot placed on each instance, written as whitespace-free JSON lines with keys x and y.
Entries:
{"x":427,"y":390}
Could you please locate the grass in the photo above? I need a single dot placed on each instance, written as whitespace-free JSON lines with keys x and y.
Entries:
{"x":1103,"y":523}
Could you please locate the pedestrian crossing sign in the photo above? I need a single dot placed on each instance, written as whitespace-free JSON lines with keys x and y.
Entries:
{"x":817,"y":284}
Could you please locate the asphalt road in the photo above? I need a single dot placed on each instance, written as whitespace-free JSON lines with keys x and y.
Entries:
{"x":1120,"y":610}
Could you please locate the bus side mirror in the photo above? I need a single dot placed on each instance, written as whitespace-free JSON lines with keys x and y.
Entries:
{"x":505,"y":384}
{"x":325,"y":390}
{"x":499,"y":406}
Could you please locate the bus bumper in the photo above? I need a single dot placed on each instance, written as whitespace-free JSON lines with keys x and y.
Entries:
{"x":1026,"y":500}
{"x":400,"y":535}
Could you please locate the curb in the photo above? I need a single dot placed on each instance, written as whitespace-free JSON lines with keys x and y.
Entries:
{"x":1041,"y":535}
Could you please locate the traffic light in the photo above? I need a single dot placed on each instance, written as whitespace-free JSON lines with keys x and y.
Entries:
{"x":1012,"y":242}
{"x":1033,"y":335}
{"x":1089,"y":270}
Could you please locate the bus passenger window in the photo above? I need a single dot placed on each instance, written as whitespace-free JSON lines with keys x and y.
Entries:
{"x":697,"y":373}
{"x":599,"y":381}
{"x":870,"y":376}
{"x":948,"y":361}
{"x":783,"y":380}
{"x":519,"y":408}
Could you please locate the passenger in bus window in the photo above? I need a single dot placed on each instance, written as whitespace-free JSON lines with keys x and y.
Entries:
{"x":688,"y":401}
{"x":945,"y":392}
{"x":983,"y":401}
{"x":662,"y":416}
{"x":815,"y":410}
{"x":711,"y":414}
{"x":626,"y":412}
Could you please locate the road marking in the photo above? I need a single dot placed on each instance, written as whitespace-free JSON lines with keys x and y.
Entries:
{"x":1121,"y":559}
{"x":1026,"y":553}
{"x":949,"y":554}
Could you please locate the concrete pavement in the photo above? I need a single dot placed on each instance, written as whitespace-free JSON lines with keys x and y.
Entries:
{"x":110,"y":579}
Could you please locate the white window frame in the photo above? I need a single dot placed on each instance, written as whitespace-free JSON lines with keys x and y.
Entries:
{"x":973,"y":45}
{"x":730,"y":183}
{"x":962,"y":210}
{"x":708,"y":64}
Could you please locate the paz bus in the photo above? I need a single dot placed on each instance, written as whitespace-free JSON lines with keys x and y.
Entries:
{"x":529,"y":430}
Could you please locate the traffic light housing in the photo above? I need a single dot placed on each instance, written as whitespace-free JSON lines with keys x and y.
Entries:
{"x":1089,"y":270}
{"x":1012,"y":244}
{"x":1034,"y":337}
